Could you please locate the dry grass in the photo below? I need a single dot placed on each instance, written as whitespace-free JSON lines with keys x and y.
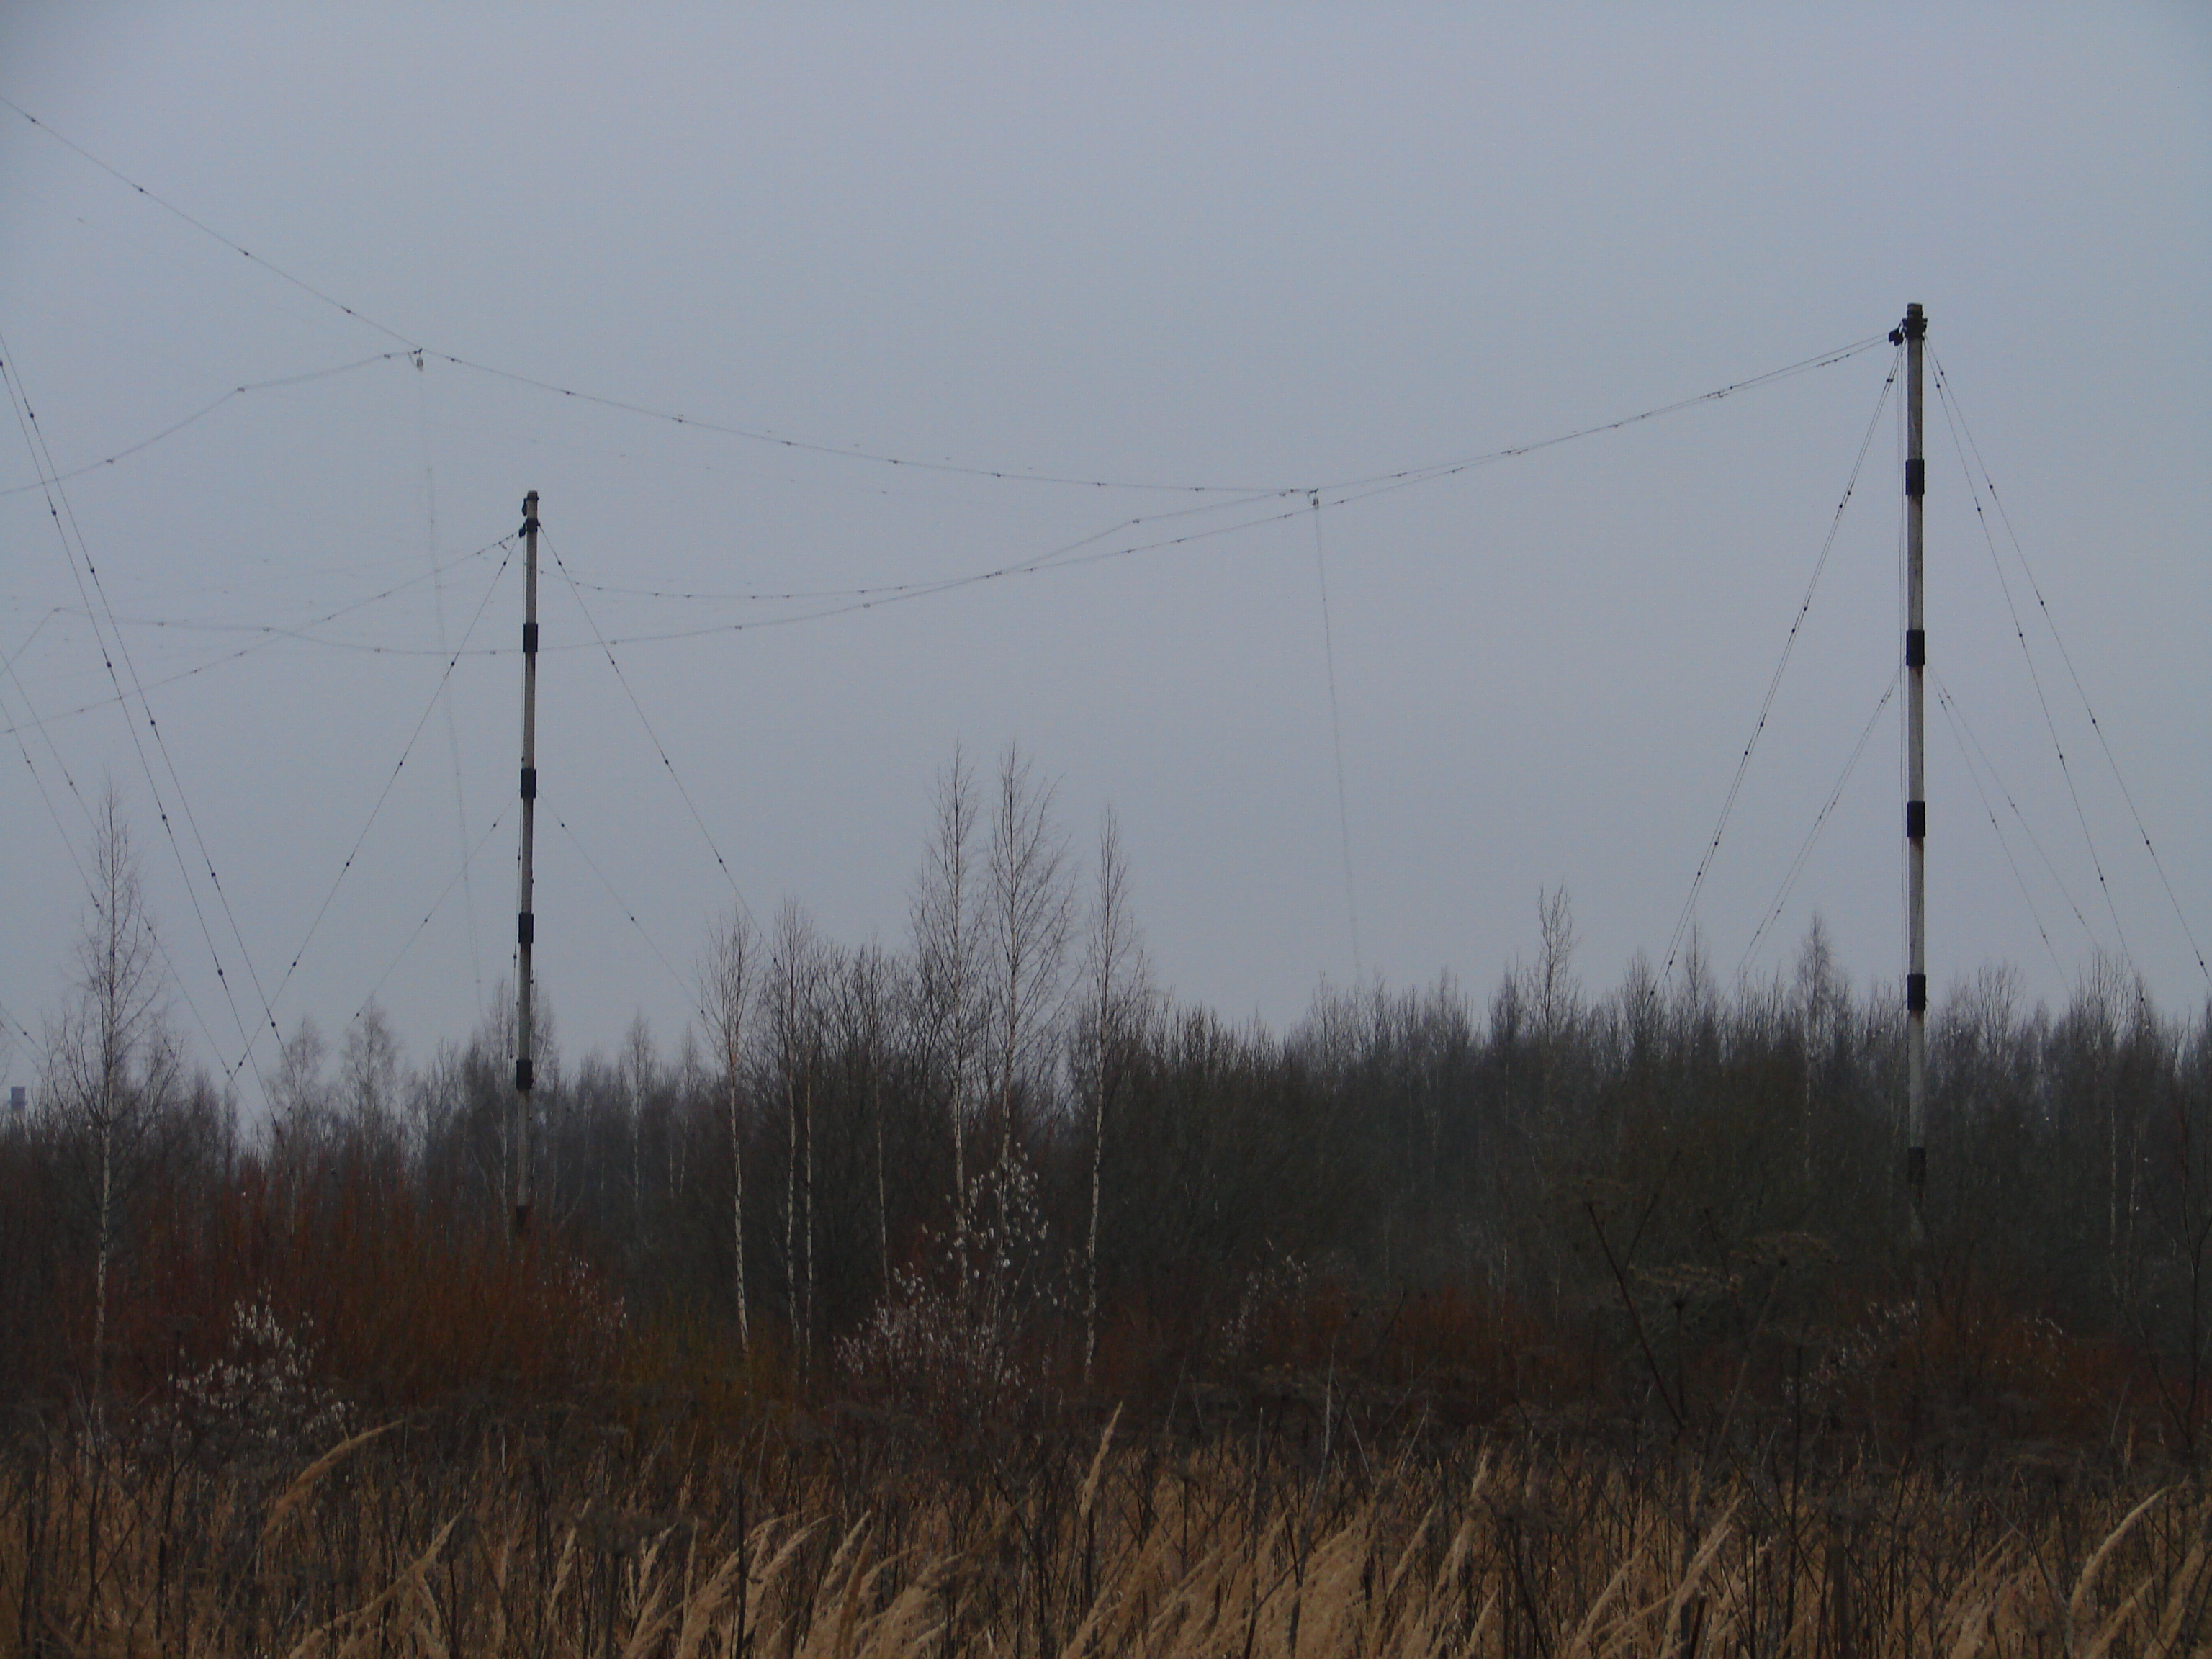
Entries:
{"x":553,"y":1536}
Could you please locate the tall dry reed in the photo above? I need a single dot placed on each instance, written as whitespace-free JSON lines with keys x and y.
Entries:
{"x":556,"y":1535}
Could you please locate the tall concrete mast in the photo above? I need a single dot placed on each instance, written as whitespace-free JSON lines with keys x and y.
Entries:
{"x":525,"y":926}
{"x":1915,"y":331}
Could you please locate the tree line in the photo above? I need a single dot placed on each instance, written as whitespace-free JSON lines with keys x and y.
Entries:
{"x":998,"y":1157}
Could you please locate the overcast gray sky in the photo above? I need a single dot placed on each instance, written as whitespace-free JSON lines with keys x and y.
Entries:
{"x":1269,"y":246}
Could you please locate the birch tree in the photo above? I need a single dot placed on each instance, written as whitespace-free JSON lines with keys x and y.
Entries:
{"x":369,"y":1077}
{"x":681,"y":1118}
{"x":797,"y":967}
{"x":725,"y":979}
{"x":112,"y":1064}
{"x":1031,"y":910}
{"x":1117,"y":1000}
{"x":865,"y":996}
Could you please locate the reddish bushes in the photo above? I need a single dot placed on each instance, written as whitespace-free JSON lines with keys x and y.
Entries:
{"x":395,"y":1298}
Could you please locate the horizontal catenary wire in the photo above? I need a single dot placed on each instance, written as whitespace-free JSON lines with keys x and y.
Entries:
{"x":270,"y":633}
{"x":857,"y":453}
{"x":202,"y":413}
{"x":1006,"y":473}
{"x":1084,"y":551}
{"x":1446,"y":469}
{"x":761,"y":434}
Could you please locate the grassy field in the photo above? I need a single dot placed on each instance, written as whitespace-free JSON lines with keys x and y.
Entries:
{"x":567,"y":1534}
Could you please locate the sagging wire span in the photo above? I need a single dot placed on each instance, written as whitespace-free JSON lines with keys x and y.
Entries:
{"x":1392,"y":480}
{"x":201,"y":414}
{"x":269,"y":632}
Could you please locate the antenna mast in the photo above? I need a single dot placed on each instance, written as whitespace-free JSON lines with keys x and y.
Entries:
{"x":1914,"y":331}
{"x":524,"y":926}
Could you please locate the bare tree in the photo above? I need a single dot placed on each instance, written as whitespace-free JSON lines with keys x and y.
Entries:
{"x":1031,"y":915}
{"x":299,"y":1097}
{"x":1818,"y":990}
{"x":1116,"y":1002}
{"x":1557,"y":988}
{"x":2095,"y":1019}
{"x":638,"y":1068}
{"x":797,"y":967}
{"x":679,"y":1122}
{"x":726,"y":988}
{"x":865,"y":996}
{"x":1551,"y":991}
{"x":369,"y":1076}
{"x":946,"y":953}
{"x":370,"y":1064}
{"x":111,"y":1063}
